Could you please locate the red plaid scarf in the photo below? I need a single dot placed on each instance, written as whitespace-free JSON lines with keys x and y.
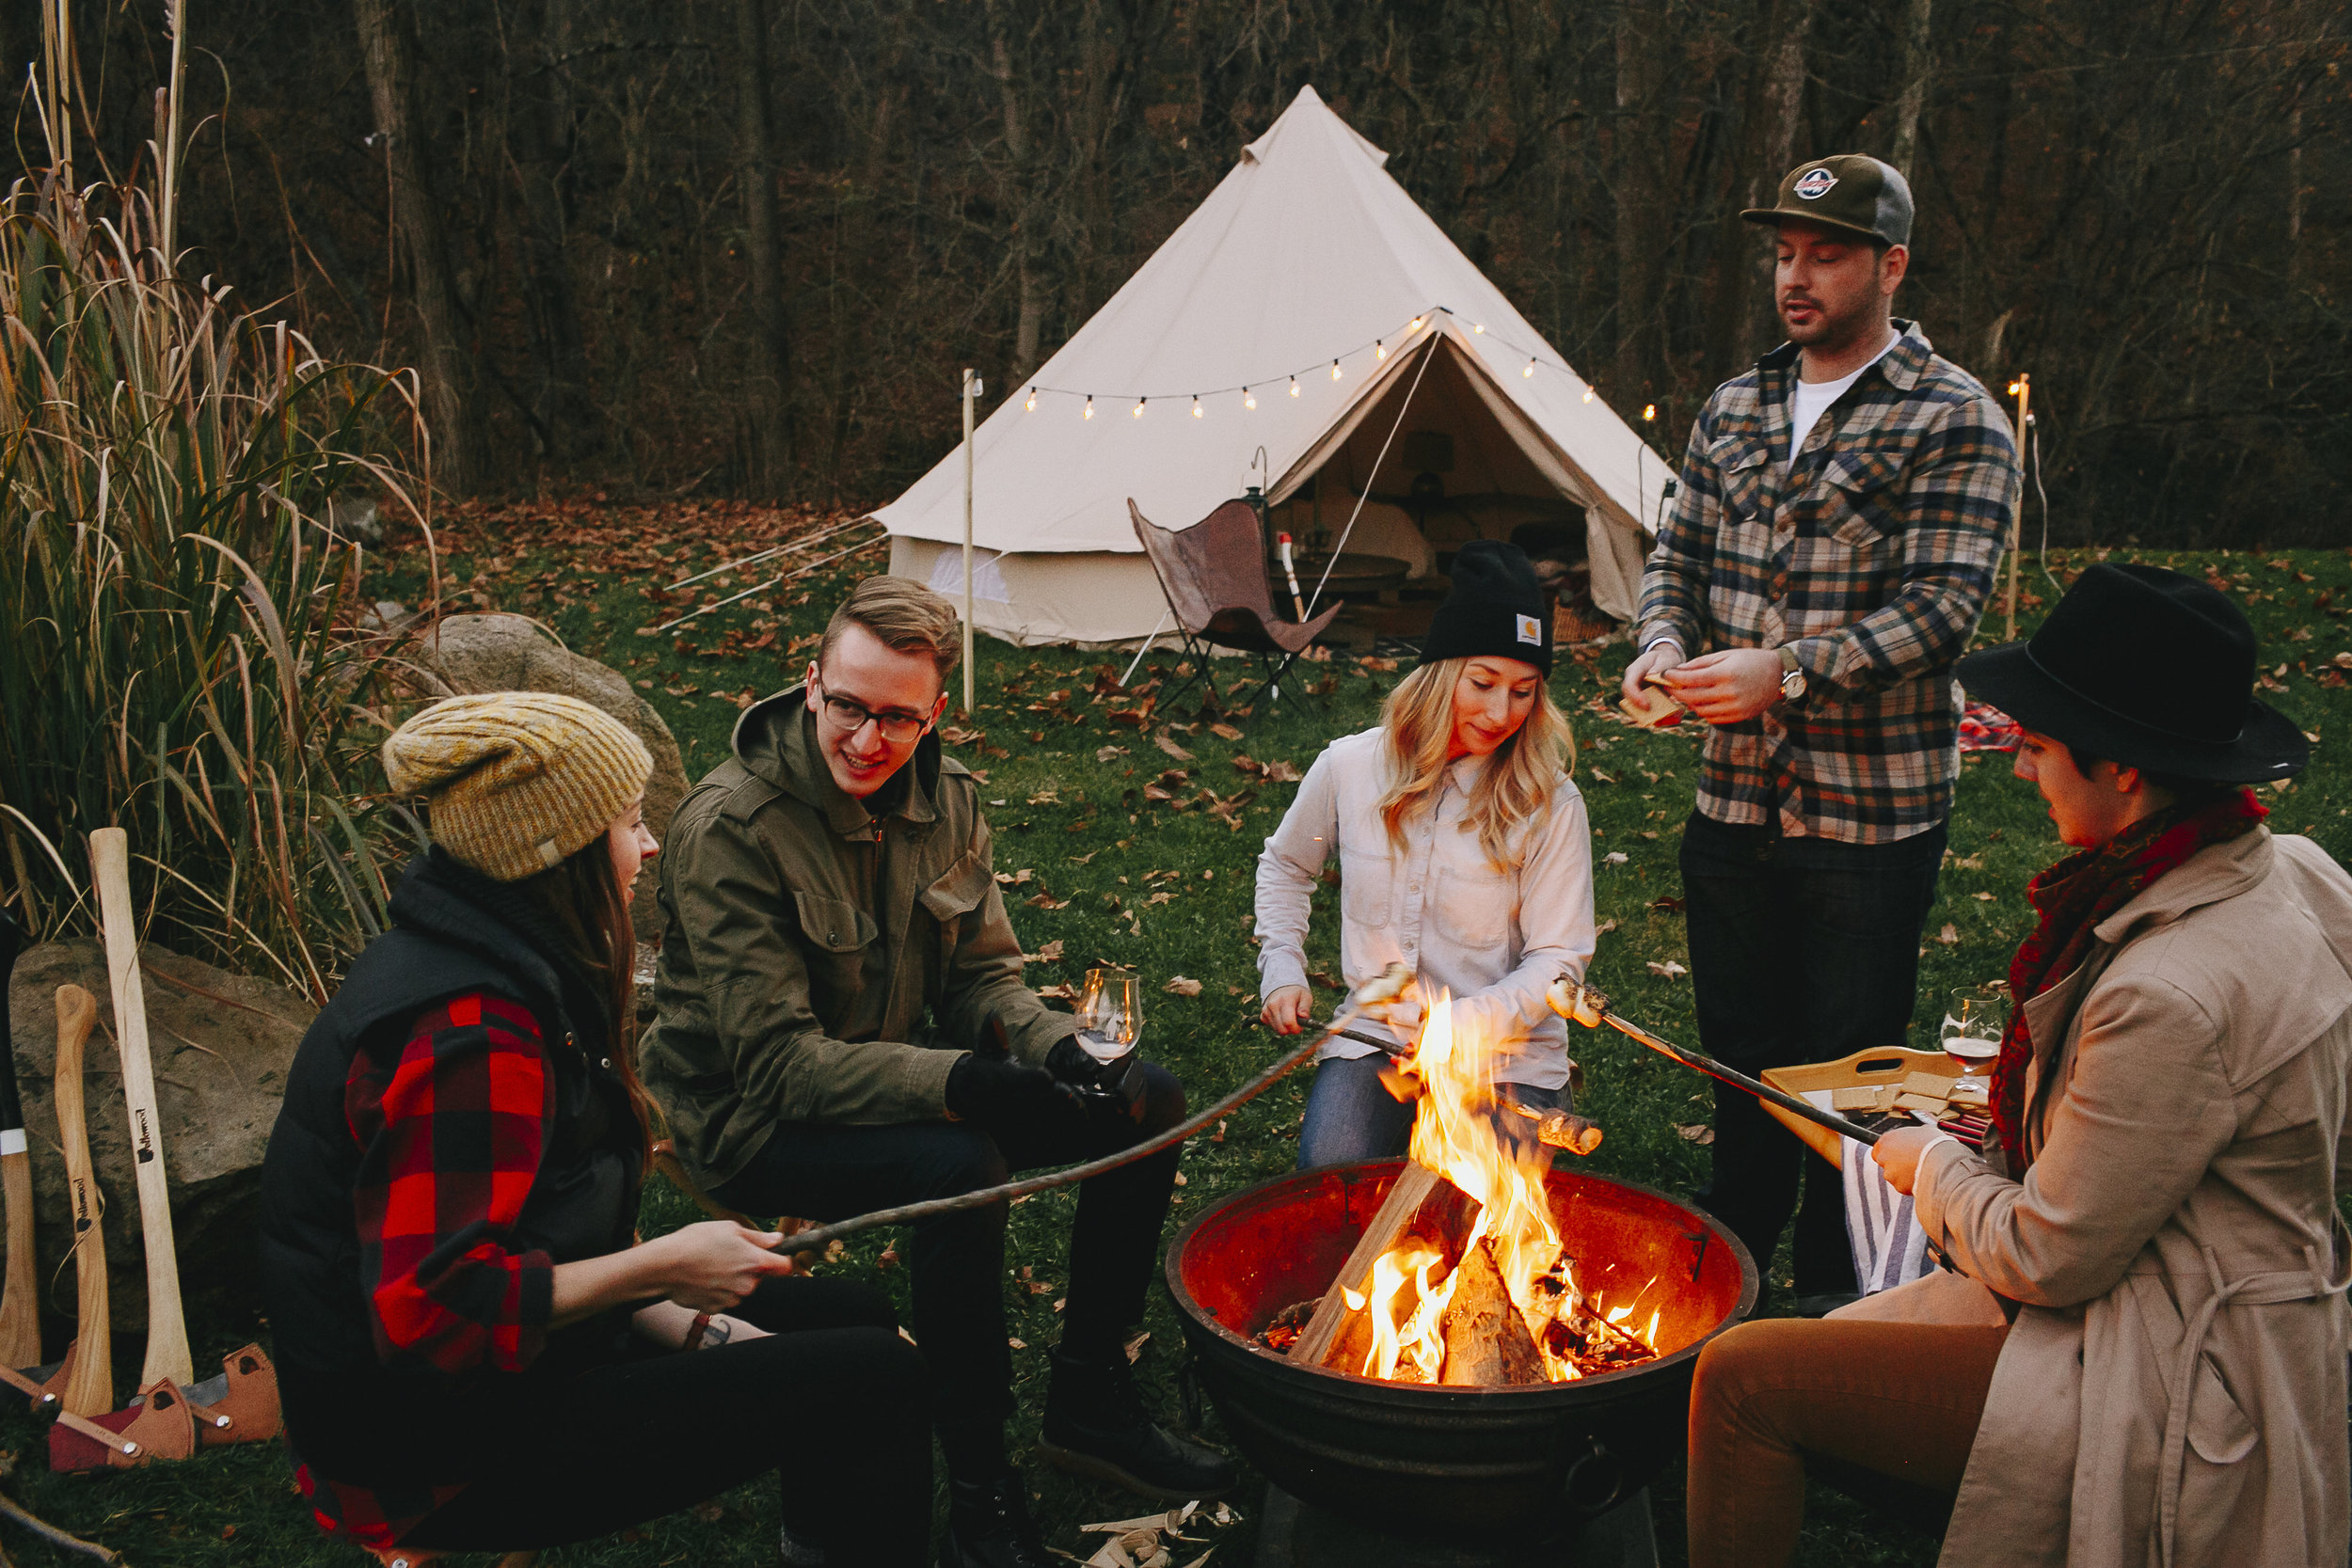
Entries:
{"x":2073,"y":897}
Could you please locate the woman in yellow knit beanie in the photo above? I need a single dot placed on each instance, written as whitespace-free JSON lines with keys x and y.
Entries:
{"x":463,"y":1317}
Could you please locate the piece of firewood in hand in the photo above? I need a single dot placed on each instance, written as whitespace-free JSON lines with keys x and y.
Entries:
{"x":1486,"y":1341}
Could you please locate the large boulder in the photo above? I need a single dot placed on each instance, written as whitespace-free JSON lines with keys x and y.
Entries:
{"x":221,"y":1044}
{"x":512,"y":652}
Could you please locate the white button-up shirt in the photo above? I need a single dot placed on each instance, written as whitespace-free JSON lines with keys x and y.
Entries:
{"x":1492,"y":940}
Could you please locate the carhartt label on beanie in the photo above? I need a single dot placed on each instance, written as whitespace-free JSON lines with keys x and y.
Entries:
{"x":513,"y":782}
{"x":1496,"y":609}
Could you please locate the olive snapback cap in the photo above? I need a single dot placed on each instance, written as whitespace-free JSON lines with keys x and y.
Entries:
{"x":1851,"y":192}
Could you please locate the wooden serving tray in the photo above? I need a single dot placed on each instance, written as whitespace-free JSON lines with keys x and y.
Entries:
{"x":1863,"y":1069}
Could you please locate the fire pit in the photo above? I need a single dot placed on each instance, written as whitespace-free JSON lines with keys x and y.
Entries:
{"x":1490,"y":1465}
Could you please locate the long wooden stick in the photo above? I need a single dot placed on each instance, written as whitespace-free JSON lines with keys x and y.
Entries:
{"x":19,"y":1301}
{"x":1411,"y":1188}
{"x":91,"y":1386}
{"x":167,"y":1357}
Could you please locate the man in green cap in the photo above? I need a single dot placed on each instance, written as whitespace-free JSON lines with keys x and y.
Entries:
{"x":1843,"y":505}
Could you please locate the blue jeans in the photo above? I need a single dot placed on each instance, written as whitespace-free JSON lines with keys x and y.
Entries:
{"x":1801,"y":950}
{"x":1351,"y":1116}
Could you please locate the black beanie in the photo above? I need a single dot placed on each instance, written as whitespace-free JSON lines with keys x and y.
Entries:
{"x":1496,"y":609}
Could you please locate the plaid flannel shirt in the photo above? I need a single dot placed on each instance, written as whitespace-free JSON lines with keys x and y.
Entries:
{"x":1872,"y":556}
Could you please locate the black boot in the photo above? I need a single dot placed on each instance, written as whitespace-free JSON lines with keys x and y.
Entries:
{"x":1096,"y":1426}
{"x":989,"y":1527}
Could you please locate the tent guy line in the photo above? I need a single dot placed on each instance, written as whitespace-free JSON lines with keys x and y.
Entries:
{"x":761,"y":588}
{"x":1378,"y":345}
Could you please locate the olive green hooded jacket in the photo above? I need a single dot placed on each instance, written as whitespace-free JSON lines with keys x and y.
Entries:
{"x":822,"y":963}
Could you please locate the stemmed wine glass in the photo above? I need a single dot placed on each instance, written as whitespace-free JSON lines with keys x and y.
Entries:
{"x":1972,"y":1029}
{"x":1110,"y":1015}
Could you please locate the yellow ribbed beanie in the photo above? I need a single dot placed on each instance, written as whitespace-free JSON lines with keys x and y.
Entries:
{"x":516,"y":780}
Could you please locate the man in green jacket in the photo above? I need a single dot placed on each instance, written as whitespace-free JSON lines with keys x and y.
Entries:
{"x":843,"y":1027}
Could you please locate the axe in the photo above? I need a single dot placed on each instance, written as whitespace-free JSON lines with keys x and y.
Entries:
{"x":20,"y":1316}
{"x":167,"y":1358}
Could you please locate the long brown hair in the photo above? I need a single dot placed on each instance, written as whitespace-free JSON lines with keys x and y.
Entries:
{"x":1514,"y":784}
{"x":579,"y":898}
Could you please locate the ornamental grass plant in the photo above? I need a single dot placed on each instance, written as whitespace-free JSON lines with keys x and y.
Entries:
{"x":184,"y":652}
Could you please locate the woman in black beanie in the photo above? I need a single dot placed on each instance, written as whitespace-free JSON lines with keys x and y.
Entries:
{"x":1464,"y":855}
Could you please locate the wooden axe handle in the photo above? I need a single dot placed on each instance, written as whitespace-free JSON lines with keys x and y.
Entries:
{"x":167,"y":1357}
{"x":20,"y":1300}
{"x":90,"y":1389}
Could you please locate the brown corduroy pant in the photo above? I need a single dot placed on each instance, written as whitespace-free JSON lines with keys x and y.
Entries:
{"x":1902,"y":1400}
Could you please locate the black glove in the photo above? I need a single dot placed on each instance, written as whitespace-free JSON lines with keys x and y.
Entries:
{"x":997,"y":1091}
{"x":1116,"y":1085}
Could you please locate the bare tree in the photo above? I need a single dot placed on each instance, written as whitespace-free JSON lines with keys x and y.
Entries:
{"x":769,"y":377}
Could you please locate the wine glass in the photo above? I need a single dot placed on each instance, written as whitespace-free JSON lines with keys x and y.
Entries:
{"x":1110,"y":1015}
{"x":1974,"y":1025}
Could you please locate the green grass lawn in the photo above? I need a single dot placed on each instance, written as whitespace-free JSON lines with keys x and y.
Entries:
{"x":1102,"y":875}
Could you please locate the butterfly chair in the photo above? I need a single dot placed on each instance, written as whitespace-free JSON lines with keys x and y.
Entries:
{"x":1214,"y":577}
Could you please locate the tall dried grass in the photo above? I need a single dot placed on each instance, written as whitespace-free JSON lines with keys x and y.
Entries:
{"x":183,"y":654}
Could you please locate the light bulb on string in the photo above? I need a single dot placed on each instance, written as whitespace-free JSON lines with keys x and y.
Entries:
{"x":1137,"y":410}
{"x":1588,"y":394}
{"x":1650,"y":411}
{"x":1248,"y":398}
{"x":1379,"y":350}
{"x":1479,"y":330}
{"x":1196,"y":405}
{"x":1417,"y":321}
{"x":1089,"y":408}
{"x":1294,"y":385}
{"x":1032,"y":404}
{"x":1335,"y":370}
{"x":1531,"y":368}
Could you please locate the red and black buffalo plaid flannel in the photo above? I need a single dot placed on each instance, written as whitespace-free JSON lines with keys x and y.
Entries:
{"x":1872,"y":555}
{"x":450,"y":1130}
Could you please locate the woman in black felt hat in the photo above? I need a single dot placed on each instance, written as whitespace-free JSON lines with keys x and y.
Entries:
{"x":2140,"y":1357}
{"x":1464,"y":853}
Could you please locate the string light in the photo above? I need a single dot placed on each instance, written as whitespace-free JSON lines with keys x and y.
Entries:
{"x":1479,"y":330}
{"x":1417,"y":321}
{"x":1138,"y":407}
{"x":1031,"y":404}
{"x":1294,"y":385}
{"x":1379,"y":350}
{"x":1090,"y":411}
{"x":1649,"y":410}
{"x":1196,"y":405}
{"x":1248,"y":398}
{"x":1531,"y":367}
{"x":1335,"y":370}
{"x":1588,"y":394}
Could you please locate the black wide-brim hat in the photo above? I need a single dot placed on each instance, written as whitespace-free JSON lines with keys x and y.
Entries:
{"x":2147,"y":668}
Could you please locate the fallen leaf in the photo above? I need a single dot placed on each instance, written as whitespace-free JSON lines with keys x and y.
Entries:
{"x":1063,"y":992}
{"x":1605,"y":927}
{"x":1017,"y":1344}
{"x":1614,"y":856}
{"x":1081,"y":860}
{"x":1981,"y":897}
{"x":1697,"y":1132}
{"x":956,"y":734}
{"x":1165,"y":744}
{"x":1161,"y":897}
{"x":1245,"y":763}
{"x":1599,"y":776}
{"x":1181,"y":984}
{"x":1668,"y":971}
{"x":1280,"y":771}
{"x":1135,"y":1346}
{"x":1104,"y":753}
{"x":1050,"y":953}
{"x":1225,"y":732}
{"x":1949,"y":934}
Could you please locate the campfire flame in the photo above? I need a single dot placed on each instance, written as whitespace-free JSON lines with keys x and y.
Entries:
{"x":1456,"y":1134}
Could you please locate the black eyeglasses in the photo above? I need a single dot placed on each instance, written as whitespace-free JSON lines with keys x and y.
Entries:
{"x":897,"y":727}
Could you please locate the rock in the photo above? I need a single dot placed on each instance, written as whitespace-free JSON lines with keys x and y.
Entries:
{"x":512,"y":652}
{"x":355,"y":518}
{"x":222,"y":1044}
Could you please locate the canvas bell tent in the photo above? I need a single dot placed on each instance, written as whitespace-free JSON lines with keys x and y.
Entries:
{"x":1310,"y":312}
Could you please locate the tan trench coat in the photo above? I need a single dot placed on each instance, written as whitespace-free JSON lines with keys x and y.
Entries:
{"x":2172,"y":1391}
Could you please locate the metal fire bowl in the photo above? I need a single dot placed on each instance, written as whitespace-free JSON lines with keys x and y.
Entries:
{"x":1484,"y":1464}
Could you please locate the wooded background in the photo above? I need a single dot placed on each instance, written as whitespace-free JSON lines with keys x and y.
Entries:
{"x":736,"y":247}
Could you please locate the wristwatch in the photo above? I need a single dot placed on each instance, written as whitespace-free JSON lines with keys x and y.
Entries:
{"x":1791,"y":675}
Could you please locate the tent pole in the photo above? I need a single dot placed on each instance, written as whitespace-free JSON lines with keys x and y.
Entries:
{"x":970,"y":390}
{"x":1147,"y":648}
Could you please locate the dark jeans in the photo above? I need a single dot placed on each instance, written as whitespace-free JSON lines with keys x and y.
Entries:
{"x":833,"y":1403}
{"x":1351,"y":1116}
{"x":1801,"y":950}
{"x":824,"y":1171}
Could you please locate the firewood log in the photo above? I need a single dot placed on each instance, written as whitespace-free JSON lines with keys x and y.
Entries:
{"x":1486,"y":1341}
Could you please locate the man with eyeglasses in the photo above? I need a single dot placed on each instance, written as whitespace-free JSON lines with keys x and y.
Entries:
{"x":843,"y":1027}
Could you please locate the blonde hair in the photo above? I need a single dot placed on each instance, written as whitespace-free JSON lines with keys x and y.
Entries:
{"x":1512,"y":786}
{"x":907,"y":618}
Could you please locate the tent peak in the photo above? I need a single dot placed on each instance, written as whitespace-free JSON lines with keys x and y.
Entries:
{"x":1310,"y":115}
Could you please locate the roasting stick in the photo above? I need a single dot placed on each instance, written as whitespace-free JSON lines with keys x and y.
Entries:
{"x":167,"y":1357}
{"x":907,"y":1214}
{"x":1589,"y":1007}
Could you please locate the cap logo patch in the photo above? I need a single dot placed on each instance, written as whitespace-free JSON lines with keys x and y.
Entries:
{"x":1531,"y":631}
{"x":1815,"y":183}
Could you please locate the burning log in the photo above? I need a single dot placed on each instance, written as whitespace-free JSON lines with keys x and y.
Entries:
{"x":1487,"y":1339}
{"x":1562,"y":1130}
{"x":1401,"y":1214}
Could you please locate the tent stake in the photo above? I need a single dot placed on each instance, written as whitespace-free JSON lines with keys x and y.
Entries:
{"x":971,"y":390}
